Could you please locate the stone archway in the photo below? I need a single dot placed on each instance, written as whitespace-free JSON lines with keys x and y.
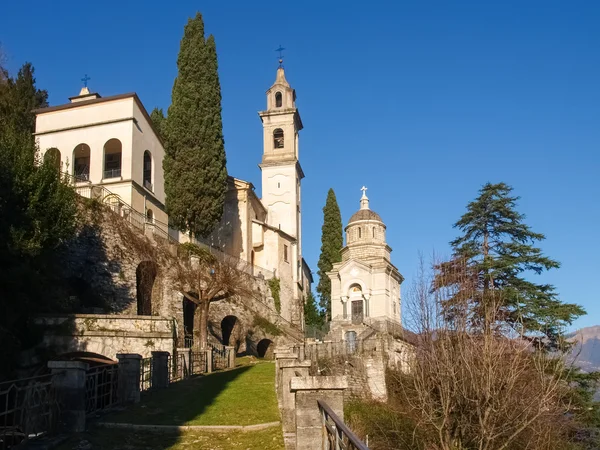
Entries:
{"x":145,"y":275}
{"x":231,"y":331}
{"x":265,"y":348}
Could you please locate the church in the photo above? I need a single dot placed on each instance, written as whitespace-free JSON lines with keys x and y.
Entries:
{"x":365,"y":285}
{"x":111,"y":151}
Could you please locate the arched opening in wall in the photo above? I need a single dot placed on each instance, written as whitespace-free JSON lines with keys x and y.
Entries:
{"x":265,"y":349}
{"x":81,"y":162}
{"x":144,"y":281}
{"x":373,"y":232}
{"x":278,"y":100}
{"x":52,"y":157}
{"x":231,"y":331}
{"x":350,"y":339}
{"x":359,"y":232}
{"x":112,"y":158}
{"x":189,"y":309}
{"x":278,"y":138}
{"x":356,"y":303}
{"x":93,"y":359}
{"x":149,"y":216}
{"x":148,"y":170}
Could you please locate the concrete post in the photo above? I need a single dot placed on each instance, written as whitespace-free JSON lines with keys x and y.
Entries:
{"x":309,"y":429}
{"x":69,"y":384}
{"x":290,"y":369}
{"x":160,"y":370}
{"x":187,"y":359}
{"x":209,"y":361}
{"x":129,"y":377}
{"x":280,"y":357}
{"x":230,"y":356}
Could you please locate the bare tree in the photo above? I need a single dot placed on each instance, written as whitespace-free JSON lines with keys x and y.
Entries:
{"x":204,"y":278}
{"x":474,"y":388}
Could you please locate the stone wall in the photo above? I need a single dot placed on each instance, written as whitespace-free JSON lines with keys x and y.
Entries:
{"x":110,"y":276}
{"x":107,"y":335}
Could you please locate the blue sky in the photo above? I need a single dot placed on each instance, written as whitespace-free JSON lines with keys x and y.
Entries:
{"x":422,"y":102}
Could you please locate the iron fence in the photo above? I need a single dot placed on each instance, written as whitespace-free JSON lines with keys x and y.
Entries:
{"x":336,"y":435}
{"x":145,"y":374}
{"x":28,"y":408}
{"x":220,"y":357}
{"x":198,"y":362}
{"x":177,"y":368}
{"x":101,"y":384}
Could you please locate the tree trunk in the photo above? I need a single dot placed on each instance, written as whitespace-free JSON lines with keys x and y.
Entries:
{"x":202,"y":331}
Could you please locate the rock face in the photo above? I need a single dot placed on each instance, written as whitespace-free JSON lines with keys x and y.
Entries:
{"x":586,"y":352}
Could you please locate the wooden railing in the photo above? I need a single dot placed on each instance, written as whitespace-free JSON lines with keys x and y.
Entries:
{"x":336,"y":435}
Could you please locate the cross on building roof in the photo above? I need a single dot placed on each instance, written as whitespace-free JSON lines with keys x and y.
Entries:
{"x":85,"y":80}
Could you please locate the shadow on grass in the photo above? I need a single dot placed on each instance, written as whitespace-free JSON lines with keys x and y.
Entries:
{"x":180,"y":404}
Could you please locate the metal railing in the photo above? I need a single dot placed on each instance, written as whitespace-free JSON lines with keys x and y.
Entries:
{"x":112,"y":173}
{"x":336,"y":435}
{"x":28,"y":408}
{"x":177,"y":368}
{"x":101,"y":384}
{"x":220,"y":357}
{"x":145,"y":374}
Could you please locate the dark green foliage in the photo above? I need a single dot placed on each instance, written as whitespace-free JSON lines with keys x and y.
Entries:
{"x":498,"y":252}
{"x":267,"y":326}
{"x":195,"y":162}
{"x":158,"y":120}
{"x":37,"y":214}
{"x":311,"y":314}
{"x":275,"y":286}
{"x":332,"y":241}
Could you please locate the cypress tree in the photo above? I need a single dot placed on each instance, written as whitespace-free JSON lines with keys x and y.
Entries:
{"x":332,"y":241}
{"x":311,"y":314}
{"x":497,"y":250}
{"x":195,"y":162}
{"x":158,"y":120}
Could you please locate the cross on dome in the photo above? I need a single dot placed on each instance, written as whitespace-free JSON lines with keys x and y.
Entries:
{"x":364,"y":200}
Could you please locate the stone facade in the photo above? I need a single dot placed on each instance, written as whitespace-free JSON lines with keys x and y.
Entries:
{"x":365,"y":285}
{"x":114,"y":154}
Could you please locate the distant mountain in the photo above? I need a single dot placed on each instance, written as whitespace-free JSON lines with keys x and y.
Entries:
{"x":587,"y":348}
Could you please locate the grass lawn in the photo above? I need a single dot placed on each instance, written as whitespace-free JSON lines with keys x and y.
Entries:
{"x":241,"y":396}
{"x":107,"y":439}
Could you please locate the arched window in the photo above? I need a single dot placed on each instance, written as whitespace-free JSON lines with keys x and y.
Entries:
{"x":278,"y":138}
{"x":81,"y":162}
{"x":278,"y":100}
{"x":52,"y":156}
{"x":373,"y":231}
{"x":359,"y":232}
{"x":147,"y":170}
{"x":149,"y":216}
{"x":112,"y":158}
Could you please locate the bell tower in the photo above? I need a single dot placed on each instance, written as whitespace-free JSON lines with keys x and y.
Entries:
{"x":280,"y":167}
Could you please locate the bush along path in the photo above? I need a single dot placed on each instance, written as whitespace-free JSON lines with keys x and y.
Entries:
{"x":236,"y":408}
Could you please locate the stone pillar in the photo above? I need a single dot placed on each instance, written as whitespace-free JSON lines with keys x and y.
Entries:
{"x":129,"y":377}
{"x":301,"y":353}
{"x":230,"y":356}
{"x":160,"y":370}
{"x":290,"y":369}
{"x":187,"y":359}
{"x":209,"y":361}
{"x":281,"y":357}
{"x":69,"y":383}
{"x":309,"y":429}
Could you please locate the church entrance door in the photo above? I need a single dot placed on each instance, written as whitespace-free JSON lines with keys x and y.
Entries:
{"x":357,"y":311}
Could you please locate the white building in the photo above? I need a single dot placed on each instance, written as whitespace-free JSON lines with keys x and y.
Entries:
{"x":113,"y":152}
{"x":365,"y":285}
{"x":107,"y":142}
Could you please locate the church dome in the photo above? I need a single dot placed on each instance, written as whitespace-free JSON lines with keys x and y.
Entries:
{"x":364,"y":214}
